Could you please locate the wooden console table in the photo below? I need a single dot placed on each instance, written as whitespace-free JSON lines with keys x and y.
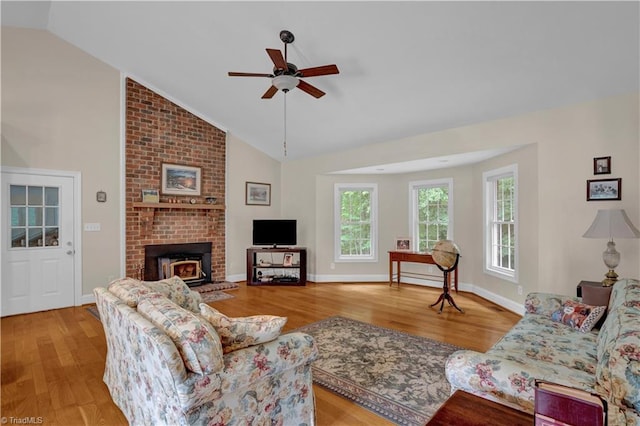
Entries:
{"x":415,"y":257}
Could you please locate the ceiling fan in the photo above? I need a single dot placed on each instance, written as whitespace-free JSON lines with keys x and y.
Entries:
{"x":287,"y":76}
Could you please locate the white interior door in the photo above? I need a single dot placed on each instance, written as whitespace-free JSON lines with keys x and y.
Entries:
{"x":38,"y":247}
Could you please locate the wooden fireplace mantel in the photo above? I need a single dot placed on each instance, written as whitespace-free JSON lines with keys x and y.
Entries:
{"x":148,"y":211}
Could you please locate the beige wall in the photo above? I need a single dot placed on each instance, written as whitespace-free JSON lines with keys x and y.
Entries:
{"x":246,"y":164}
{"x":559,"y":146}
{"x":61,"y":111}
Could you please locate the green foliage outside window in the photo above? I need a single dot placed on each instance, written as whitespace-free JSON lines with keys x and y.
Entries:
{"x":504,"y":223}
{"x":433,"y":216}
{"x":355,"y":223}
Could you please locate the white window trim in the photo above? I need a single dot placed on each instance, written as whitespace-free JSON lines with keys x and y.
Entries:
{"x":488,"y":178}
{"x":373,"y":187}
{"x":413,"y":207}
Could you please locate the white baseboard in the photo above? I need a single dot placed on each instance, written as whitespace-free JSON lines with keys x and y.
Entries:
{"x":236,"y":278}
{"x":516,"y":307}
{"x":87,"y":299}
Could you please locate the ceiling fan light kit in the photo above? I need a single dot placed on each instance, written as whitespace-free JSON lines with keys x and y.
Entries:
{"x":284,"y":82}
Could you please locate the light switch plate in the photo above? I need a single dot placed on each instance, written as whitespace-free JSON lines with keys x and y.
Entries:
{"x":91,"y":227}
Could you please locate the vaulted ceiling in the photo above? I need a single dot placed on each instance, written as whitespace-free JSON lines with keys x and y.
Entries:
{"x":406,"y":68}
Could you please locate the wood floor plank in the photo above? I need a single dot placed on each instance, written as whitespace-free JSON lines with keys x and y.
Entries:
{"x":52,"y":362}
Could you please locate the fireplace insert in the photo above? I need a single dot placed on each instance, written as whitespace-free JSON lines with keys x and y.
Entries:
{"x":186,"y":266}
{"x":190,"y":261}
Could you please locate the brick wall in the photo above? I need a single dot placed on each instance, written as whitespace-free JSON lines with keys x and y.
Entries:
{"x":158,"y":131}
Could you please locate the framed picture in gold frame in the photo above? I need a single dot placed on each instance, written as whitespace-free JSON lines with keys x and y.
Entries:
{"x":180,"y":180}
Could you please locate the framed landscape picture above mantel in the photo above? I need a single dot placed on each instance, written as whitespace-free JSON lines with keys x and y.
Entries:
{"x":604,"y":189}
{"x":181,"y":180}
{"x":257,"y":194}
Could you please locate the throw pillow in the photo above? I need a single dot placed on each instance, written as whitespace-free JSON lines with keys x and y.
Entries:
{"x":177,"y":291}
{"x":238,"y":333}
{"x":578,"y":315}
{"x":129,"y":290}
{"x":196,"y":340}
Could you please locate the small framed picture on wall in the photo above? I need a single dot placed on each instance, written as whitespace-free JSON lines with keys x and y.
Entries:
{"x":257,"y":194}
{"x":604,"y":189}
{"x":602,"y":166}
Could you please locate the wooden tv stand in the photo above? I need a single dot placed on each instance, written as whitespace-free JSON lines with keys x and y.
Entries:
{"x":267,"y":266}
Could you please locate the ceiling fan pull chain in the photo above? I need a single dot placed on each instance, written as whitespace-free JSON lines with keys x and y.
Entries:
{"x":285,"y":124}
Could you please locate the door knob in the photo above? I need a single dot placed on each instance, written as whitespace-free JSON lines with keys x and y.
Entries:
{"x":70,"y":252}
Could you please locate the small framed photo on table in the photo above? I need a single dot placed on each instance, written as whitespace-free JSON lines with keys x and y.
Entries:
{"x":150,"y":196}
{"x":403,"y":244}
{"x":288,"y":259}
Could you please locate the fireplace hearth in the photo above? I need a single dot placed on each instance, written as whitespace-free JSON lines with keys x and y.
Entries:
{"x":189,"y":261}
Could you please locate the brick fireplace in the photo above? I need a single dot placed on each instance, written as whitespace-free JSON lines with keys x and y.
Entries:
{"x":158,"y":131}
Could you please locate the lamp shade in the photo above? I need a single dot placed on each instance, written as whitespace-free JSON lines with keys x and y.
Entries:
{"x":612,"y":224}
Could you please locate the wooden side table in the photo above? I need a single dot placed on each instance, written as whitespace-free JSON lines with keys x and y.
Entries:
{"x":593,"y":293}
{"x":465,"y":409}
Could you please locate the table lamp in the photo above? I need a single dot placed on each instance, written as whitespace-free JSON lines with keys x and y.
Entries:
{"x":610,"y":224}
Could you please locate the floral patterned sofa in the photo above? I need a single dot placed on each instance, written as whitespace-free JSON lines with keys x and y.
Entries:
{"x":166,"y":364}
{"x":540,"y":346}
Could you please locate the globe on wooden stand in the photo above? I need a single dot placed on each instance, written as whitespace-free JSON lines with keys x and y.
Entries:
{"x":446,"y":254}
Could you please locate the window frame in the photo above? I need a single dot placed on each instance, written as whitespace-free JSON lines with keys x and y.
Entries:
{"x":413,"y":206}
{"x":338,"y":188}
{"x":489,"y":179}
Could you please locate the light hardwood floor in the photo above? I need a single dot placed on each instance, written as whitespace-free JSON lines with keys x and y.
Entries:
{"x":53,"y":361}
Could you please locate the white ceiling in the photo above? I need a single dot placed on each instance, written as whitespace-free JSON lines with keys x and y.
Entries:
{"x":406,"y":68}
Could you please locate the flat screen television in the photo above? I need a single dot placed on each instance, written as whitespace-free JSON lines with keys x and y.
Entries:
{"x":274,"y":232}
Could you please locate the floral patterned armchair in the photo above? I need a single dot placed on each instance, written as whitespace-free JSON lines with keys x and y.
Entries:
{"x":541,"y":346}
{"x":155,"y":380}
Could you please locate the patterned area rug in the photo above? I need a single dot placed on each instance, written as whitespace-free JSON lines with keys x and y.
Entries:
{"x":396,"y":375}
{"x":212,"y":292}
{"x":93,"y":310}
{"x":224,"y":285}
{"x":214,"y":296}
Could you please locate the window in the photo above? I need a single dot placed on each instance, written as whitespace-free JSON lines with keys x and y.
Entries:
{"x":501,"y":222}
{"x":34,"y":216}
{"x":356,"y":210}
{"x":431,"y":212}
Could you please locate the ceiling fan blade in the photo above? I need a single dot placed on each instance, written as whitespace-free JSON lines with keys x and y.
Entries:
{"x":249,"y":74}
{"x":277,"y":58}
{"x":270,"y":92}
{"x":312,"y":90}
{"x":316,"y":71}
